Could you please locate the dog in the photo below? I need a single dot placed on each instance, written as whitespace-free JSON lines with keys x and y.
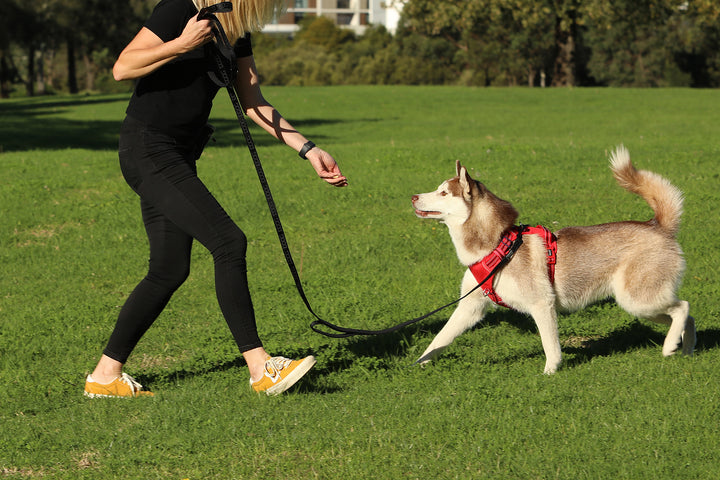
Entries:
{"x":640,"y":264}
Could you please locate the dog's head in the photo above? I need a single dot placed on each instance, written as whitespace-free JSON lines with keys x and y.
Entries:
{"x":453,"y":199}
{"x":461,"y":199}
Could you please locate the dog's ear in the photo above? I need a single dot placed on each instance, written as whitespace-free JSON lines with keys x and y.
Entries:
{"x":457,"y":168}
{"x":465,"y":181}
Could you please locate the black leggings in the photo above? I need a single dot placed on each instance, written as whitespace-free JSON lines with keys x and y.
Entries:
{"x":177,"y":208}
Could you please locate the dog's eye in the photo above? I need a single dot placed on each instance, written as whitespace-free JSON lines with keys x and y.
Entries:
{"x":443,"y":193}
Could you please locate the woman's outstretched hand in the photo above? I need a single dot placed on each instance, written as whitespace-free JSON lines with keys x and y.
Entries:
{"x":326,"y":167}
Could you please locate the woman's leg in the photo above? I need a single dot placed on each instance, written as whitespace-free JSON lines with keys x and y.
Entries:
{"x":176,"y":208}
{"x":185,"y":201}
{"x":169,"y":266}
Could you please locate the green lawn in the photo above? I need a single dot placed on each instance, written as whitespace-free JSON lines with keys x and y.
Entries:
{"x":72,"y":247}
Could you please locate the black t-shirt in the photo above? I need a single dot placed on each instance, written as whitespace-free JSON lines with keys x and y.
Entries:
{"x":177,"y":97}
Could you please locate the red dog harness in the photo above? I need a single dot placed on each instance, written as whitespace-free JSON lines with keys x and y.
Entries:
{"x":483,"y":270}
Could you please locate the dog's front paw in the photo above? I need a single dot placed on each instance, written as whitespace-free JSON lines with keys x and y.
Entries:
{"x":427,"y":356}
{"x":551,"y":367}
{"x":422,"y":362}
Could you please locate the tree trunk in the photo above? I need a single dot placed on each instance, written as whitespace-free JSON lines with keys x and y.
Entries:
{"x":49,"y":68}
{"x":40,"y":86}
{"x":89,"y":73}
{"x":30,"y":82}
{"x":4,"y":76}
{"x":564,"y":74}
{"x":72,"y":68}
{"x":564,"y":71}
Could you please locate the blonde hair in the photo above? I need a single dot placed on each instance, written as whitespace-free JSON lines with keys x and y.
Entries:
{"x":246,"y":16}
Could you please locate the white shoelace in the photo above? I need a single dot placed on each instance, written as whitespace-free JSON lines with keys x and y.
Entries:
{"x":131,"y":382}
{"x":274,"y":365}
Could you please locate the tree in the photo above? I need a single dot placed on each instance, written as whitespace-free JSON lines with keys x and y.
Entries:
{"x":530,"y":29}
{"x":628,"y":39}
{"x":695,"y":39}
{"x":92,"y":30}
{"x":465,"y":25}
{"x":18,"y":27}
{"x":323,"y":32}
{"x":502,"y":40}
{"x":107,"y":28}
{"x":10,"y":12}
{"x":566,"y":37}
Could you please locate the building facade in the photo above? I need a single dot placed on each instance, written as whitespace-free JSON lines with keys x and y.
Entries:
{"x":354,"y":14}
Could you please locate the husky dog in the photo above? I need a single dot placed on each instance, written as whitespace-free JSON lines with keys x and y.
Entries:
{"x":640,"y":264}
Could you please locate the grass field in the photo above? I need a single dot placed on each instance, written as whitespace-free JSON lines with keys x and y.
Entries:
{"x":72,"y":247}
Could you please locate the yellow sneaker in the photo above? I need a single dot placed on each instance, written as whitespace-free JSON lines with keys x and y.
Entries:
{"x":122,"y":387}
{"x":281,"y":373}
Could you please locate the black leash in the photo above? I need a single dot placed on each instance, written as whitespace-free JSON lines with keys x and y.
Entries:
{"x":224,"y":56}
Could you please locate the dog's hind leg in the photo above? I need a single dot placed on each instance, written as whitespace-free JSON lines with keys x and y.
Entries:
{"x":469,"y":311}
{"x":545,"y":318}
{"x":682,"y":328}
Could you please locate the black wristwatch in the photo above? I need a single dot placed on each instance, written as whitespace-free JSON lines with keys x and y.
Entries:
{"x":306,"y":148}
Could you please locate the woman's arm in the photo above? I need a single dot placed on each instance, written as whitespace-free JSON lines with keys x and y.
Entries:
{"x":147,"y":52}
{"x":265,"y":115}
{"x":260,"y":110}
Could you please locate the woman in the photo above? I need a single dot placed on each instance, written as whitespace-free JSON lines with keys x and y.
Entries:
{"x":162,"y":136}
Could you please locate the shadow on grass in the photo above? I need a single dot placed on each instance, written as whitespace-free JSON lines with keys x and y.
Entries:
{"x":636,"y":335}
{"x":630,"y":337}
{"x":707,"y":339}
{"x":578,"y":350}
{"x":228,"y":132}
{"x":624,"y":339}
{"x":40,"y":123}
{"x":166,"y":376}
{"x":373,"y":354}
{"x":365,"y":353}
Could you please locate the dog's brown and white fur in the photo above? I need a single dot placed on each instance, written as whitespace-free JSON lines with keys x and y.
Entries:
{"x":640,"y":264}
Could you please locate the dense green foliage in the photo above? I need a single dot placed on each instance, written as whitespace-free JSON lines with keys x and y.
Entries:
{"x":72,"y":246}
{"x":571,"y":42}
{"x":62,"y":45}
{"x":48,"y":44}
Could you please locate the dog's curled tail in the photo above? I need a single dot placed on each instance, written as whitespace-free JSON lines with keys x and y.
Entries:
{"x":664,"y":198}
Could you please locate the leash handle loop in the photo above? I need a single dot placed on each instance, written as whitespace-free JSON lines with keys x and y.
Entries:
{"x":220,"y":49}
{"x":210,"y":10}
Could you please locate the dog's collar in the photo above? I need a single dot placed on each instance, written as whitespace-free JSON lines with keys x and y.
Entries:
{"x":484,"y":271}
